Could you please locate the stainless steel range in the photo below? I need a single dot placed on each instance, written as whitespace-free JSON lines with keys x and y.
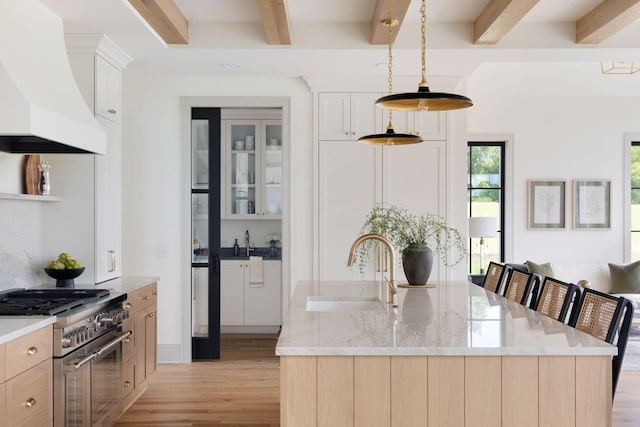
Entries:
{"x":87,"y":349}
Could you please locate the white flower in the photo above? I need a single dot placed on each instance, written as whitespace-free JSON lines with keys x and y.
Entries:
{"x":275,"y":238}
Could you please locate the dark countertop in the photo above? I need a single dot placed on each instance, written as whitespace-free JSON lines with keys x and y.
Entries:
{"x":226,"y":254}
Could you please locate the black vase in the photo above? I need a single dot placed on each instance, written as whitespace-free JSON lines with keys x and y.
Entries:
{"x":417,"y":262}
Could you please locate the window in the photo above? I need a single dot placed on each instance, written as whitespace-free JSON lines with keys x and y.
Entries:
{"x":635,"y":201}
{"x":486,"y":197}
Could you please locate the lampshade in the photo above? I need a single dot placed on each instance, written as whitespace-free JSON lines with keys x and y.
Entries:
{"x":482,"y":226}
{"x":423,"y":99}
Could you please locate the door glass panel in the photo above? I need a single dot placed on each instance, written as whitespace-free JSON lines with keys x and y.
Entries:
{"x":200,"y":227}
{"x":273,"y":170}
{"x":200,"y":154}
{"x":243,"y":169}
{"x":200,"y":302}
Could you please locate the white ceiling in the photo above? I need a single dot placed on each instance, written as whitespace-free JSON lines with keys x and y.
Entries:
{"x":331,"y":38}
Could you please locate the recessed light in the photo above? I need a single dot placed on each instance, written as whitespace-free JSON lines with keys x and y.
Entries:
{"x":230,"y":66}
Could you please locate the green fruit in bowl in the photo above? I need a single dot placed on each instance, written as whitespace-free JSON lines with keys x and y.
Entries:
{"x":64,"y":262}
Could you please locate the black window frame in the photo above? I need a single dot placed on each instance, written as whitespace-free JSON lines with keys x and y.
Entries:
{"x":502,"y":145}
{"x":631,"y":230}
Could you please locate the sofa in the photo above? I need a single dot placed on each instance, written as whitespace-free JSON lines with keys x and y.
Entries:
{"x":586,"y":275}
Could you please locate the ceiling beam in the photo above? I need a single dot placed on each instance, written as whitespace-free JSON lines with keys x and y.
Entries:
{"x":385,"y":10}
{"x":165,"y":18}
{"x":606,"y":19}
{"x":275,"y":20}
{"x":498,"y":18}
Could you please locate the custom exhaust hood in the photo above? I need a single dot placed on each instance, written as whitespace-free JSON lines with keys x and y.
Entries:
{"x":41,"y":108}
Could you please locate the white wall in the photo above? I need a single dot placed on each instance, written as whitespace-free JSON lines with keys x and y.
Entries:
{"x":152,"y":178}
{"x":568,"y":122}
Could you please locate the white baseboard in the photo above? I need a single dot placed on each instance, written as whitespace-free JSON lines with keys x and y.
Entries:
{"x":249,"y":329}
{"x":170,"y":353}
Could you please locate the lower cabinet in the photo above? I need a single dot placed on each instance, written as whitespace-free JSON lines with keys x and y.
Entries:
{"x":139,"y":354}
{"x":26,"y":380}
{"x":250,"y":304}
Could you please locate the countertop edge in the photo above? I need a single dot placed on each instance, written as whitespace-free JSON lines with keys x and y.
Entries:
{"x":444,"y":352}
{"x":38,"y":323}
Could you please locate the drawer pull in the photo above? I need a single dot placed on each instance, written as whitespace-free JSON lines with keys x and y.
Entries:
{"x":32,"y":350}
{"x":155,"y":293}
{"x":112,"y":111}
{"x":127,"y":384}
{"x":31,"y":402}
{"x":151,"y":314}
{"x":128,"y":305}
{"x":127,"y":340}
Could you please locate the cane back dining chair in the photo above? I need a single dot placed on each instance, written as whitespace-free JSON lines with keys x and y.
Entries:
{"x":558,"y":300}
{"x":520,"y":286}
{"x":608,"y":318}
{"x":493,"y":279}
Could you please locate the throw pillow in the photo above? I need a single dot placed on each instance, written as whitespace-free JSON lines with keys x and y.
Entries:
{"x":543,"y":270}
{"x":625,"y":278}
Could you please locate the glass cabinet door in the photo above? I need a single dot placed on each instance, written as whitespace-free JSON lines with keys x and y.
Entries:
{"x":242,"y":168}
{"x":272,"y":175}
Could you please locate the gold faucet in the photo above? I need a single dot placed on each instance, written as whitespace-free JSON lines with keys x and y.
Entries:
{"x":392,"y":261}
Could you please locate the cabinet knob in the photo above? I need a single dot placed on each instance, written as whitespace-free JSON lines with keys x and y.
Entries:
{"x":32,"y":350}
{"x":346,"y":133}
{"x":127,"y":305}
{"x":155,"y":293}
{"x":127,"y":340}
{"x":353,"y":133}
{"x":112,"y":111}
{"x":151,"y":314}
{"x":30,"y":402}
{"x":146,"y":298}
{"x":127,"y":384}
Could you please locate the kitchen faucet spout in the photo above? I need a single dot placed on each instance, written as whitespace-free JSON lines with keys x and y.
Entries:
{"x":393,"y":290}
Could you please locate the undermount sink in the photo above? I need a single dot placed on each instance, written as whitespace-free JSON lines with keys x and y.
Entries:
{"x":327,"y":303}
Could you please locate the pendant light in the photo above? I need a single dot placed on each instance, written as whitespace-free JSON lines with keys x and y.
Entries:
{"x":423,"y":99}
{"x":390,"y":137}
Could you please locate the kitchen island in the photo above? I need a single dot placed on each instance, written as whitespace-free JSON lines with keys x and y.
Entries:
{"x":452,"y":355}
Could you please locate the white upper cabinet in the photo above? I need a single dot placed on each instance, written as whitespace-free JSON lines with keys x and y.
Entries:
{"x":430,"y":125}
{"x":348,"y":116}
{"x":108,"y":92}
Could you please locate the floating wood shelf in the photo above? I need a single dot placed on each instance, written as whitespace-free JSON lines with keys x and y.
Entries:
{"x":31,"y":197}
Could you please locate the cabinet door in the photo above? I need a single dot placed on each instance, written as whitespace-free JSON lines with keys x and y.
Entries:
{"x":242,"y":168}
{"x":366,"y":118}
{"x":232,"y":292}
{"x":271,"y":176}
{"x":430,"y":125}
{"x":108,"y":205}
{"x":2,"y":406}
{"x":350,"y":184}
{"x":262,"y":300}
{"x":151,"y":341}
{"x":334,"y":116}
{"x":423,"y":190}
{"x":108,"y":92}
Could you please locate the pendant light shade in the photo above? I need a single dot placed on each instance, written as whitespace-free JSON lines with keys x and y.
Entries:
{"x":423,"y":99}
{"x":390,"y":137}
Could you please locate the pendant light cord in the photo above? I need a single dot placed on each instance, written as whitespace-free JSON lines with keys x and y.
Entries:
{"x":390,"y":24}
{"x":423,"y":21}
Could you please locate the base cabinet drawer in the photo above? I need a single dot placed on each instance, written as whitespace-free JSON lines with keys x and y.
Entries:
{"x":29,"y":400}
{"x":128,"y":378}
{"x":129,"y":343}
{"x":3,"y":411}
{"x":28,"y":350}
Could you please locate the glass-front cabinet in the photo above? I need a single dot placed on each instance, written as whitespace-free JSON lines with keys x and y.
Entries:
{"x":253,"y":152}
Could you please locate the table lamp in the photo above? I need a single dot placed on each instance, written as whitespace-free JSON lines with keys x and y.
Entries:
{"x":482,"y":226}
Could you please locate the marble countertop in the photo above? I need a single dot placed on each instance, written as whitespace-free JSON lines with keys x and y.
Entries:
{"x":453,"y":318}
{"x":15,"y":327}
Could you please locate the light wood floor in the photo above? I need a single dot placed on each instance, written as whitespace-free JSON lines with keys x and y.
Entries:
{"x":243,"y":390}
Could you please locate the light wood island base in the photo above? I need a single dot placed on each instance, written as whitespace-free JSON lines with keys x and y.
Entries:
{"x":436,"y":391}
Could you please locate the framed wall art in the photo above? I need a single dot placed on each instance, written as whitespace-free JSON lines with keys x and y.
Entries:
{"x":591,"y":204}
{"x":547,"y":204}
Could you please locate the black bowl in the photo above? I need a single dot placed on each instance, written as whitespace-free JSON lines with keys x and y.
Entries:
{"x":64,"y":278}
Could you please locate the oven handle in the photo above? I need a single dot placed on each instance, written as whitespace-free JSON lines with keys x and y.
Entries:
{"x":112,"y":343}
{"x":72,"y":367}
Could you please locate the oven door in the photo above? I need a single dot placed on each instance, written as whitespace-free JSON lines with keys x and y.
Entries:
{"x":88,"y":383}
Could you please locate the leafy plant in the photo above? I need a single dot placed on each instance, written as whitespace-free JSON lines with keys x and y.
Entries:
{"x":403,"y":228}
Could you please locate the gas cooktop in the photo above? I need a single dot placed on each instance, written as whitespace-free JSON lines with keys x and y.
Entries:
{"x":47,"y":301}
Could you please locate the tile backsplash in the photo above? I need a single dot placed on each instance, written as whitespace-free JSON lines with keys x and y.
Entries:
{"x":21,"y":259}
